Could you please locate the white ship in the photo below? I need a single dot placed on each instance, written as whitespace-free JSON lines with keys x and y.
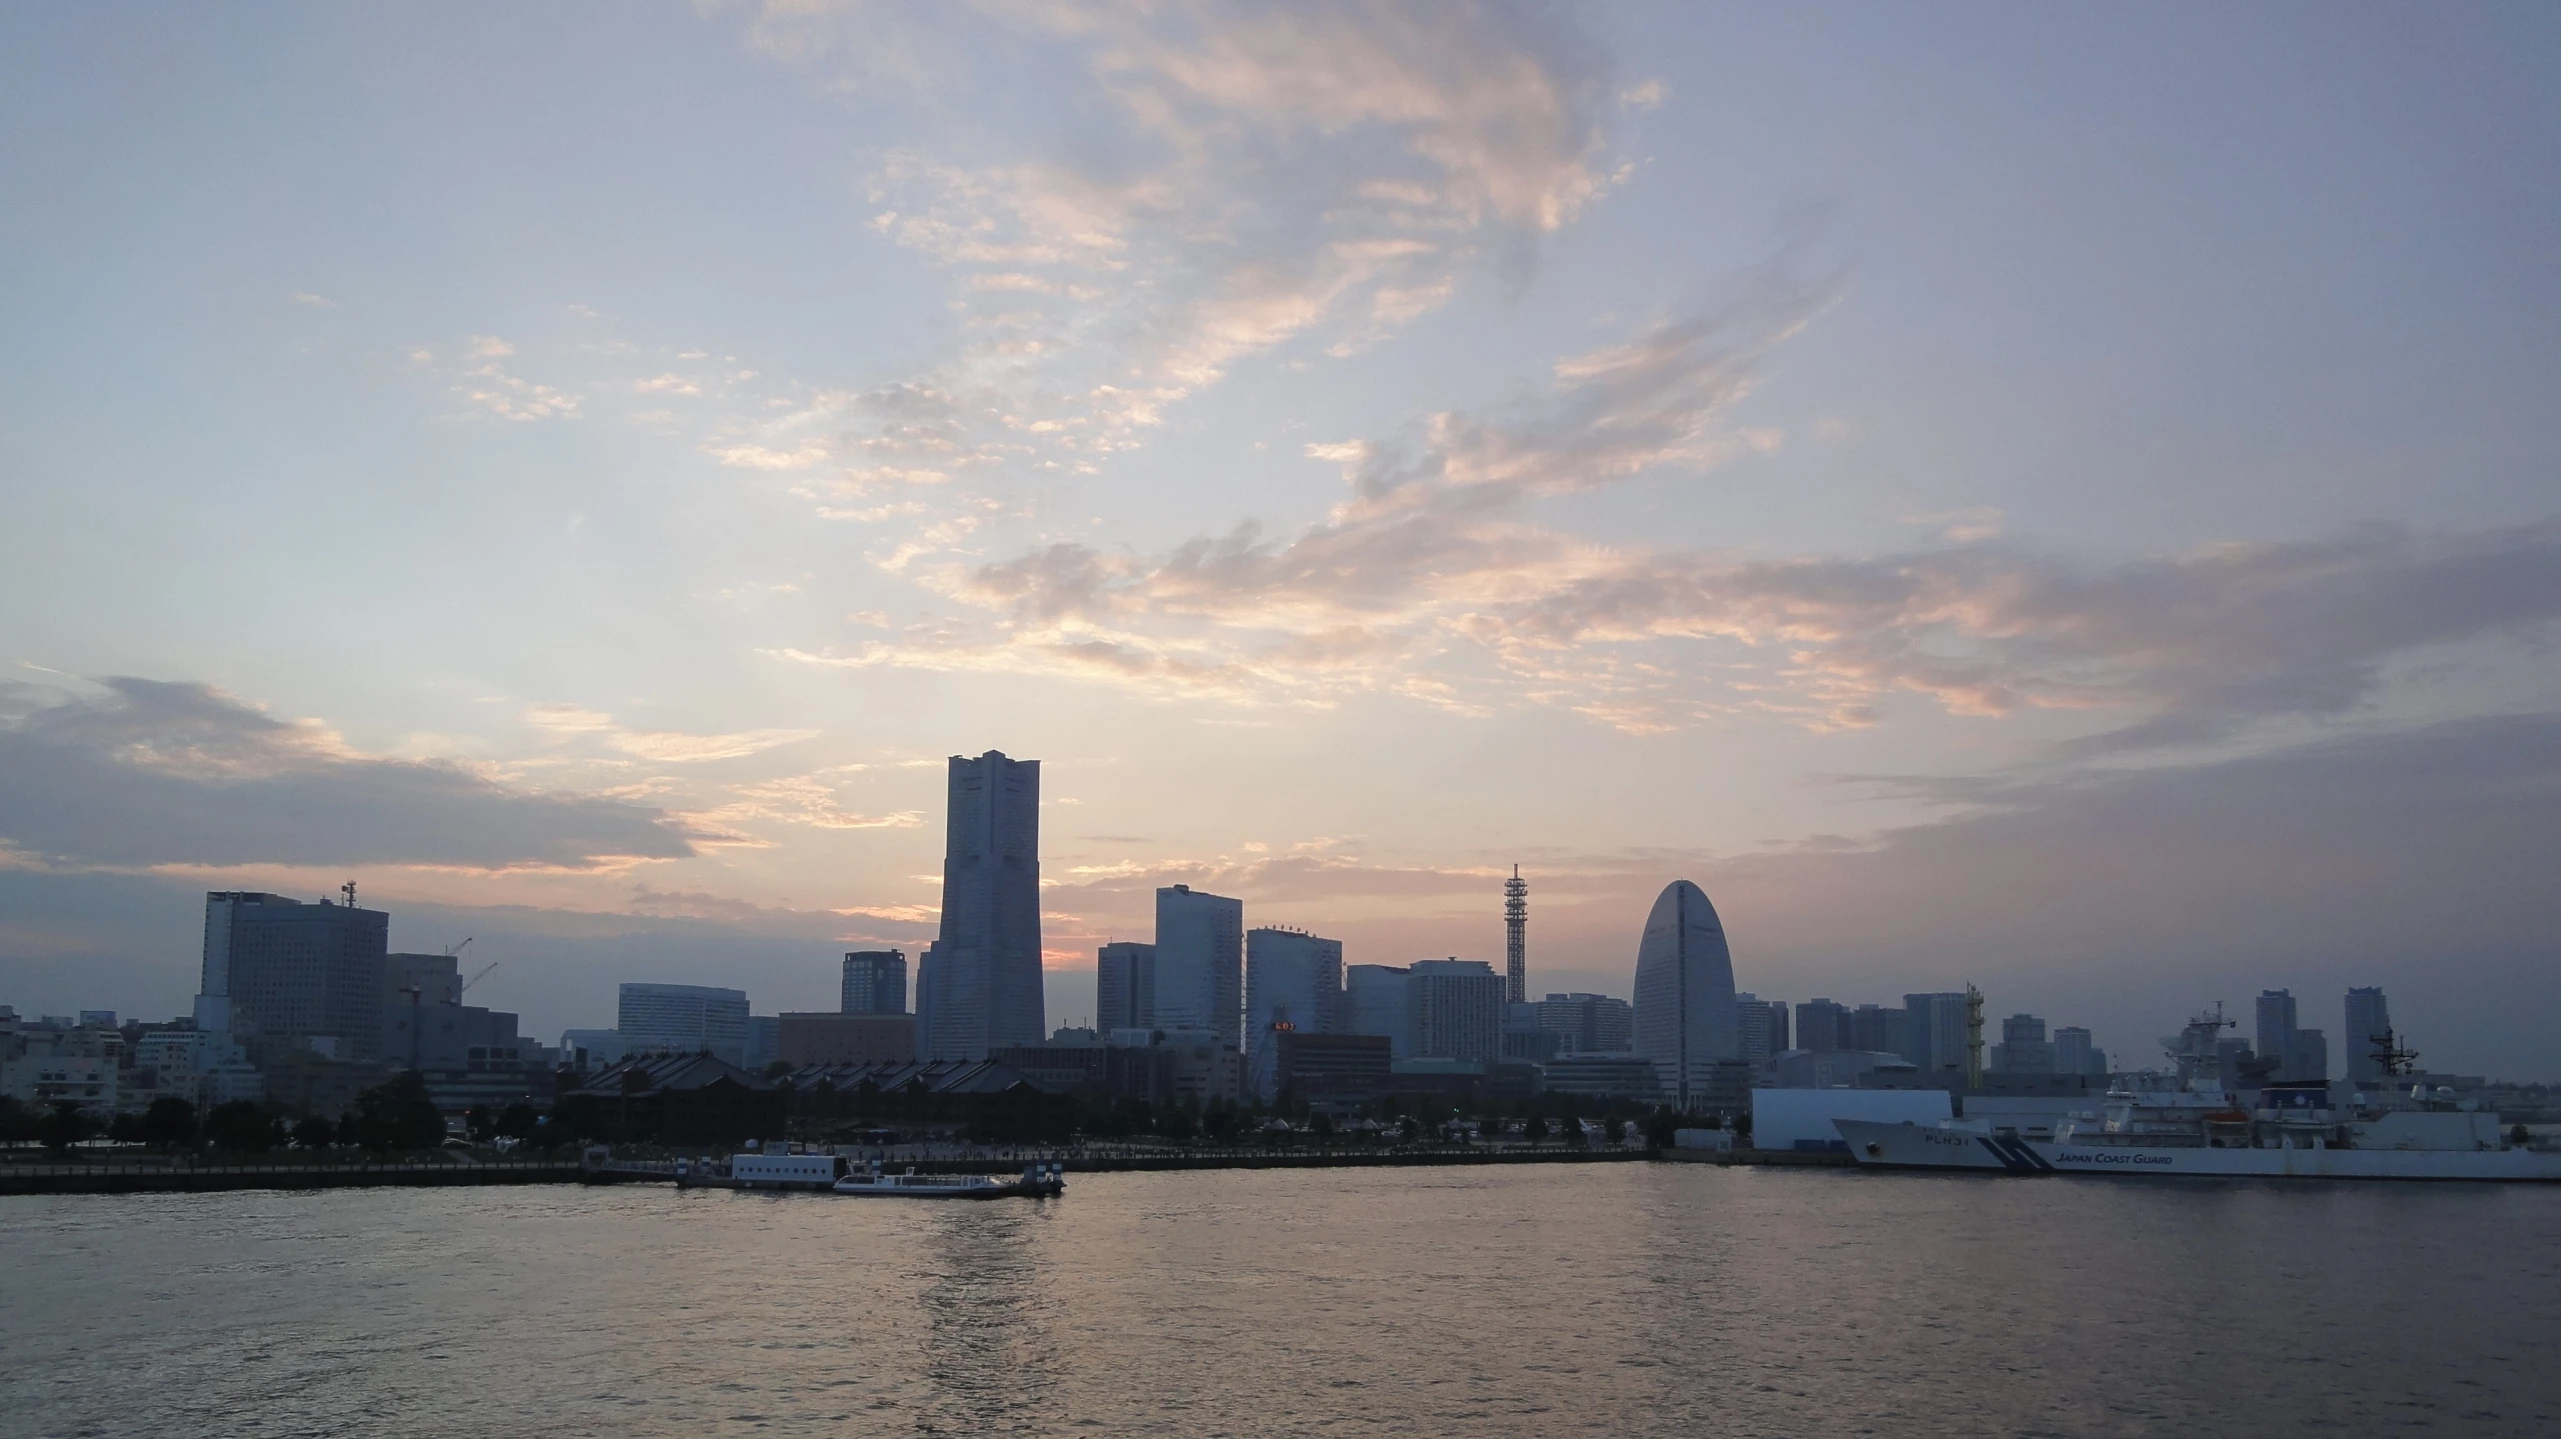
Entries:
{"x":2209,"y":1126}
{"x":1039,"y":1181}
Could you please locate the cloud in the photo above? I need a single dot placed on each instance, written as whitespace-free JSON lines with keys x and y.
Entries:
{"x":1225,"y":181}
{"x":160,"y":773}
{"x":665,"y":746}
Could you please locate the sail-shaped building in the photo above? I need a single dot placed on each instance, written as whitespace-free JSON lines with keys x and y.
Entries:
{"x":1685,"y":1018}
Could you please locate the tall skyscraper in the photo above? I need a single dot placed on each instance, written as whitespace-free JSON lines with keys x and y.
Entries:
{"x":1377,"y":999}
{"x":1200,"y":962}
{"x":1124,"y":987}
{"x":875,"y":982}
{"x":979,"y":986}
{"x":2024,"y":1049}
{"x":1457,"y":1009}
{"x":2307,"y":1060}
{"x":2369,"y":1020}
{"x":1588,"y":1023}
{"x":2275,"y":1024}
{"x":2074,"y":1054}
{"x":1934,"y":1037}
{"x":1293,"y":984}
{"x":277,"y":968}
{"x":1685,"y":995}
{"x":1516,"y":938}
{"x":1877,"y":1028}
{"x":1823,"y":1026}
{"x":683,"y":1019}
{"x":1760,"y":1028}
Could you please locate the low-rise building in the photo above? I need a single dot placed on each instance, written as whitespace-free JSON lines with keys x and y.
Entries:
{"x":820,"y":1038}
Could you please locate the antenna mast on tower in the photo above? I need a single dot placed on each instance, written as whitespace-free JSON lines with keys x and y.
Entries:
{"x":1516,"y":937}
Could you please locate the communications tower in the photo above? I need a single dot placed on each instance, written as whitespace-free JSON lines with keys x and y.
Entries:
{"x":1516,"y":937}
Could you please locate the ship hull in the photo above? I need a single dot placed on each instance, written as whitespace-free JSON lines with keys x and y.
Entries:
{"x":1911,"y":1146}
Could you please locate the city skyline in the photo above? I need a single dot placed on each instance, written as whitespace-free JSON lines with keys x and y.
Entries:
{"x":1985,"y":520}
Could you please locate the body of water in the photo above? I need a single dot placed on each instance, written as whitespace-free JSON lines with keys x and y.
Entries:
{"x":1625,"y":1300}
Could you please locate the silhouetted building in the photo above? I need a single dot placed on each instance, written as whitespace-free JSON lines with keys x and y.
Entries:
{"x":1125,"y":986}
{"x":1377,"y":999}
{"x":682,"y":1100}
{"x":1332,"y":1072}
{"x":281,"y":970}
{"x":1456,"y":1010}
{"x":1761,"y":1027}
{"x":1589,"y":1023}
{"x":2369,"y":1019}
{"x":1685,"y":996}
{"x":815,"y":1037}
{"x":2023,"y":1049}
{"x":875,"y":982}
{"x":981,"y":1100}
{"x":1293,"y":984}
{"x":1602,"y":1076}
{"x":1822,"y":1025}
{"x":1200,"y":962}
{"x":1876,"y":1027}
{"x":978,"y":987}
{"x":1934,"y":1031}
{"x":2074,"y":1054}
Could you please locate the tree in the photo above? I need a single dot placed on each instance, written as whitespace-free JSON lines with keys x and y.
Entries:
{"x":2520,"y":1135}
{"x":1408,"y":1130}
{"x":395,"y":1116}
{"x":314,"y":1132}
{"x":65,"y":1127}
{"x":1321,"y":1125}
{"x":779,"y":1069}
{"x":18,"y":1124}
{"x":579,"y":1117}
{"x":1489,"y":1127}
{"x":481,"y":1123}
{"x":519,"y":1122}
{"x":1535,"y":1129}
{"x":1616,"y":1129}
{"x":243,"y":1125}
{"x":170,"y":1123}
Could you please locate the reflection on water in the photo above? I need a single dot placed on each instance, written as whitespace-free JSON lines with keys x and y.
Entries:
{"x":1626,"y":1300}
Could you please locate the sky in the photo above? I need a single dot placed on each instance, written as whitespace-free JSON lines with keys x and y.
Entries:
{"x":2063,"y":499}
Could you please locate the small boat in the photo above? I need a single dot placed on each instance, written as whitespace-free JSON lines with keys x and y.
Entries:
{"x":1039,"y":1181}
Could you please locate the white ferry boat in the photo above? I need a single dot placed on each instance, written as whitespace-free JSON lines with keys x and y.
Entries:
{"x":1038,"y":1181}
{"x":2208,"y":1127}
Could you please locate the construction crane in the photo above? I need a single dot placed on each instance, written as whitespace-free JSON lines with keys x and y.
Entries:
{"x":483,"y":974}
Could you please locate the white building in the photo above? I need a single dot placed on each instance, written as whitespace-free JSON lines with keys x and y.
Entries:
{"x":1456,"y":1009}
{"x":683,"y":1019}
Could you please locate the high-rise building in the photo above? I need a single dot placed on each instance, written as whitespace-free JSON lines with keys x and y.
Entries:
{"x":1685,"y":995}
{"x":2074,"y":1054}
{"x":1760,"y":1026}
{"x":1377,"y":999}
{"x":1457,"y":1010}
{"x":2307,"y":1059}
{"x":875,"y":982}
{"x":2369,"y":1021}
{"x":1934,"y":1031}
{"x":1200,"y":962}
{"x":276,"y":968}
{"x":1293,"y":983}
{"x":1876,"y":1028}
{"x":2024,"y":1049}
{"x":2275,"y":1014}
{"x":1124,"y":986}
{"x":1823,"y":1026}
{"x":1588,"y":1023}
{"x":979,"y":986}
{"x":683,"y":1019}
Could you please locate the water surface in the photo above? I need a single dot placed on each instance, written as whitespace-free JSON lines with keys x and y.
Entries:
{"x":1624,"y":1299}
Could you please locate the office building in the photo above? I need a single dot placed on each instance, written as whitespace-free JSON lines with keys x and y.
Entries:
{"x":2023,"y":1049}
{"x":683,"y":1019}
{"x":1331,"y":1072}
{"x":2275,"y":1029}
{"x":1602,"y":1076}
{"x":1293,"y":983}
{"x":2368,"y":1029}
{"x":585,"y":1049}
{"x":875,"y":982}
{"x":2307,"y":1058}
{"x":1877,"y":1028}
{"x":1760,"y":1027}
{"x":1376,"y":1000}
{"x":1685,"y":1020}
{"x":1934,"y":1032}
{"x":815,"y":1037}
{"x":2074,"y":1054}
{"x":1200,"y":962}
{"x":1822,"y":1026}
{"x":278,"y":969}
{"x":978,"y":986}
{"x":1125,"y":986}
{"x":1588,"y":1023}
{"x":1456,"y":1009}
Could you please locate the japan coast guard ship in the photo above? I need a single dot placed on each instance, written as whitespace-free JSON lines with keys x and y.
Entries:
{"x":2204,"y":1126}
